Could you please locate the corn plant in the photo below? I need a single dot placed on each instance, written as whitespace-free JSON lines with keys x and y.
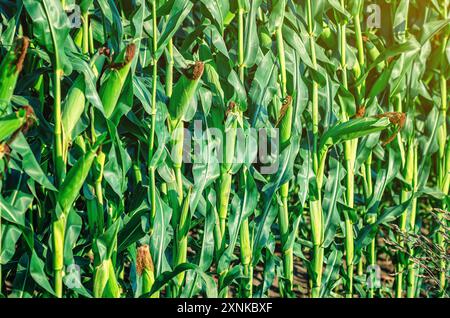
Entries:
{"x":229,"y":148}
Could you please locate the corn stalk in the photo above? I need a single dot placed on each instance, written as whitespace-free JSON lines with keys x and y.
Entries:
{"x":316,"y":213}
{"x":444,"y":147}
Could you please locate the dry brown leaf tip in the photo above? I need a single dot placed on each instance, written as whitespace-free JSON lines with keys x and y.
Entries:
{"x":231,"y":107}
{"x":195,"y":71}
{"x":105,"y":51}
{"x":130,"y":52}
{"x":30,"y":118}
{"x":287,"y":102}
{"x":360,"y":112}
{"x":395,"y":118}
{"x":20,"y":52}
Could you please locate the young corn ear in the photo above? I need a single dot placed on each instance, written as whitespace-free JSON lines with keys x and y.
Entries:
{"x":76,"y":99}
{"x":75,"y":103}
{"x":115,"y":77}
{"x":229,"y":130}
{"x":76,"y":177}
{"x":328,"y":37}
{"x":285,"y":123}
{"x":246,"y":246}
{"x":10,"y":68}
{"x":374,"y":53}
{"x":145,"y":270}
{"x":184,"y":92}
{"x":105,"y":281}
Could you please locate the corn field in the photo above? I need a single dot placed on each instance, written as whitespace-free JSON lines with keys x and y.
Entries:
{"x":224,"y":148}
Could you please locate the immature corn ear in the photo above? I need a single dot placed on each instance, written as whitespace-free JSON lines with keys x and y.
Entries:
{"x":184,"y":91}
{"x":20,"y":120}
{"x":230,"y":131}
{"x":373,"y":54}
{"x":10,"y":68}
{"x":226,"y":177}
{"x":285,"y":121}
{"x":4,"y":158}
{"x":145,"y":269}
{"x":75,"y":102}
{"x":78,"y":38}
{"x":328,"y":37}
{"x":76,"y":99}
{"x":115,"y":78}
{"x":76,"y":177}
{"x":105,"y":281}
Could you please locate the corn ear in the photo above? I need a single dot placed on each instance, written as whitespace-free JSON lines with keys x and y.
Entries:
{"x":285,"y":121}
{"x":78,"y":39}
{"x":76,"y":99}
{"x":373,"y":54}
{"x":230,"y":133}
{"x":76,"y":177}
{"x":10,"y":68}
{"x":145,"y":270}
{"x":229,"y":145}
{"x":105,"y":281}
{"x":183,"y":92}
{"x":115,"y":77}
{"x":328,"y":37}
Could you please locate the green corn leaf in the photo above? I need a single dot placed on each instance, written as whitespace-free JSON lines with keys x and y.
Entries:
{"x":178,"y":13}
{"x":24,"y":154}
{"x":10,"y":67}
{"x":23,"y":285}
{"x":218,"y":9}
{"x":75,"y":103}
{"x":352,"y":129}
{"x":51,"y":28}
{"x":38,"y":273}
{"x":10,"y":124}
{"x":276,"y":15}
{"x":251,"y":41}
